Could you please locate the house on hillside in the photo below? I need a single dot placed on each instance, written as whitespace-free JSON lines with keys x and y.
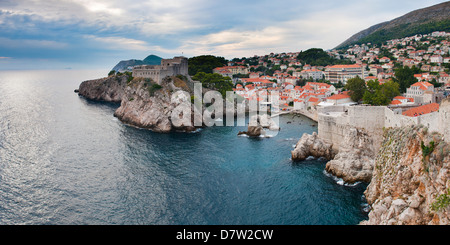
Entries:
{"x":421,"y":92}
{"x":339,"y":99}
{"x":341,"y":73}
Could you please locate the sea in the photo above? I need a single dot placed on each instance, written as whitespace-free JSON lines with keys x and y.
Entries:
{"x":65,"y":160}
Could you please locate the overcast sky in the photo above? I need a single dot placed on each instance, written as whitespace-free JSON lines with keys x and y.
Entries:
{"x":98,"y":33}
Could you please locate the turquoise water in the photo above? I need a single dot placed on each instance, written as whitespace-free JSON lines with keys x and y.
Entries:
{"x":66,"y":160}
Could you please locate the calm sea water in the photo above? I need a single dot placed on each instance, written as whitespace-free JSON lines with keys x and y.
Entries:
{"x":66,"y":160}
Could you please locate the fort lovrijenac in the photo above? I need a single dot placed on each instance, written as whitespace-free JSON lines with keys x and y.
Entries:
{"x":169,"y":67}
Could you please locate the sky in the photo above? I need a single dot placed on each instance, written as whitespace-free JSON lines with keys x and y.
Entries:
{"x":97,"y":34}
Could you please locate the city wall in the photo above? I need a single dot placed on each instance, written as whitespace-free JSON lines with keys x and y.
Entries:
{"x":334,"y":122}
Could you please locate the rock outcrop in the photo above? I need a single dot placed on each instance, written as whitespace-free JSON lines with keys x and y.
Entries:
{"x":151,"y":106}
{"x":410,"y":183}
{"x":312,"y":145}
{"x":110,"y":89}
{"x":258,"y":123}
{"x":355,"y":159}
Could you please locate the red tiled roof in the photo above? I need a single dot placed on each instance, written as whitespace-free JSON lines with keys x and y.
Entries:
{"x":399,"y":98}
{"x":396,"y":102}
{"x":313,"y":99}
{"x":338,"y":97}
{"x":346,"y":66}
{"x":422,"y":85}
{"x":425,"y":109}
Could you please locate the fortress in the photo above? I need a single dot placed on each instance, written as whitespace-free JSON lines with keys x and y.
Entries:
{"x":334,"y":122}
{"x":168,"y":67}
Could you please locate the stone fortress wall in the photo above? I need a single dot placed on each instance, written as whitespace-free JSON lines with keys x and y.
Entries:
{"x":169,"y":67}
{"x":334,"y":122}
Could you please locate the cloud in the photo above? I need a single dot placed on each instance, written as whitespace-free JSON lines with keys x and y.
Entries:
{"x":76,"y":29}
{"x":7,"y":43}
{"x":121,"y":43}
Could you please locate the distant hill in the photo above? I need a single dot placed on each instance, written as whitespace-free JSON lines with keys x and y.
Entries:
{"x":421,"y":21}
{"x":149,"y":60}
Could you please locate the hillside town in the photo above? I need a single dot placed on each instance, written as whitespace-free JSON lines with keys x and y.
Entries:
{"x":302,"y":86}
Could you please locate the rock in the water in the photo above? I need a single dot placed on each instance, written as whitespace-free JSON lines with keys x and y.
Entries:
{"x":258,"y":123}
{"x":312,"y":145}
{"x":254,"y":131}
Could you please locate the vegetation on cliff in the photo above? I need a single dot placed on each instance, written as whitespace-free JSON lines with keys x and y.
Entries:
{"x":410,"y":181}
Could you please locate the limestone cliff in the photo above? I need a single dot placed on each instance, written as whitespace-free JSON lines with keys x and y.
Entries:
{"x":312,"y":145}
{"x":146,"y":104}
{"x":355,"y":159}
{"x":110,"y":89}
{"x":410,"y":182}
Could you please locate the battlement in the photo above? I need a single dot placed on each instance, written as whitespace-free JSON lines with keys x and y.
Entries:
{"x":169,"y":67}
{"x":335,"y":121}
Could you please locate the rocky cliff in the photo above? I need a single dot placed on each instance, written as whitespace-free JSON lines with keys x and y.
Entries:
{"x":110,"y":89}
{"x":312,"y":145}
{"x":409,"y":174}
{"x":146,"y":104}
{"x":410,"y":184}
{"x":355,"y":160}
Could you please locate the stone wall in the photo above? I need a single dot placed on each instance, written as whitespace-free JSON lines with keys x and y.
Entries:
{"x":334,"y":122}
{"x":168,"y":67}
{"x":444,"y":119}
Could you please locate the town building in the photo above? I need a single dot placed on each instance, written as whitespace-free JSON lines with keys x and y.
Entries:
{"x":421,"y":92}
{"x":231,"y":70}
{"x":339,"y":99}
{"x":315,"y":74}
{"x":342,"y":73}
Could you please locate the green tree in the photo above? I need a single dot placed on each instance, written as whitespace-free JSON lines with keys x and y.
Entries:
{"x":404,"y":76}
{"x":214,"y":81}
{"x":318,"y":57}
{"x":369,"y":94}
{"x":390,"y":89}
{"x":356,"y":87}
{"x":205,"y":63}
{"x":377,"y":94}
